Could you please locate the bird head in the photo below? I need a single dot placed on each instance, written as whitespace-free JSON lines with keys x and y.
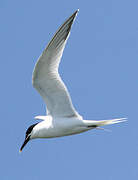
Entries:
{"x":28,"y":136}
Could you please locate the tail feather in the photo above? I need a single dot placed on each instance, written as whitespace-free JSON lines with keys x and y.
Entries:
{"x":112,"y":121}
{"x":104,"y":122}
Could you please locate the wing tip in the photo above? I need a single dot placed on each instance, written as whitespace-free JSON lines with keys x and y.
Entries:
{"x":77,"y":10}
{"x":75,"y":13}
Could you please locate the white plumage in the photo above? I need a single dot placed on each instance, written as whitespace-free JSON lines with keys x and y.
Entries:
{"x":62,"y":119}
{"x":46,"y":78}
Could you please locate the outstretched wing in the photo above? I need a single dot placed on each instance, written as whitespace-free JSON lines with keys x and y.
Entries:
{"x":46,"y":78}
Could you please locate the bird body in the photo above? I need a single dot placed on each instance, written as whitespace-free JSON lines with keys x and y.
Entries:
{"x":57,"y":127}
{"x":62,"y":119}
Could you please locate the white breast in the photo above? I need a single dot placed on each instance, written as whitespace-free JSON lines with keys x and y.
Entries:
{"x":58,"y":127}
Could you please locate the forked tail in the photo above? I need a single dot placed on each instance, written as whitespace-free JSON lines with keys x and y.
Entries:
{"x":104,"y":122}
{"x":112,"y":121}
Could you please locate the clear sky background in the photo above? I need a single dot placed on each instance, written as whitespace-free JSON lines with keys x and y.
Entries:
{"x":100,"y":69}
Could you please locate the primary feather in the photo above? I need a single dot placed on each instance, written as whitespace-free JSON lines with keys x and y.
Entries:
{"x":46,"y":78}
{"x":62,"y":119}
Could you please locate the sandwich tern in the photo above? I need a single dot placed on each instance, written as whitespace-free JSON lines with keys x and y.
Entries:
{"x":62,"y":119}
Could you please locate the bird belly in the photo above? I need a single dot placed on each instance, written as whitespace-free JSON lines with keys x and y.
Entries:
{"x":63,"y":128}
{"x":51,"y":133}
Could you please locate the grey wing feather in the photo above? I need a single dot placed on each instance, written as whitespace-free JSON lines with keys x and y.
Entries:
{"x":46,"y":78}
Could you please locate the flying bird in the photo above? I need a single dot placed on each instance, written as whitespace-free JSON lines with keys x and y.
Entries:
{"x":62,"y":119}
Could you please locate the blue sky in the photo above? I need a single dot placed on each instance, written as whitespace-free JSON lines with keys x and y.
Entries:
{"x":100,"y":69}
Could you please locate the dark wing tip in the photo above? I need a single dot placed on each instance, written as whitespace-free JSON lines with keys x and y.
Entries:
{"x":75,"y":13}
{"x":63,"y":31}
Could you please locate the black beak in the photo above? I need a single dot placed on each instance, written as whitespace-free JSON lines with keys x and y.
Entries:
{"x":25,"y":142}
